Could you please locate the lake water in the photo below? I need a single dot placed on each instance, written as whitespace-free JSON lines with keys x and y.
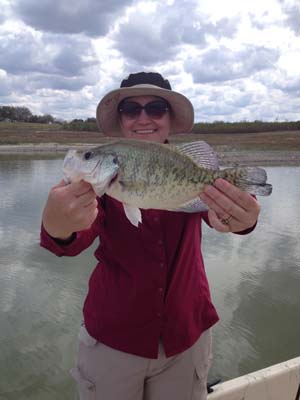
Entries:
{"x":254,"y":280}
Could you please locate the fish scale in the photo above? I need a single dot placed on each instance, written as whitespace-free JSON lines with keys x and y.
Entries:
{"x":156,"y":174}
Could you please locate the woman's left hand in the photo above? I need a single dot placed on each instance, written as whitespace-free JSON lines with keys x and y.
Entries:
{"x":230,"y":209}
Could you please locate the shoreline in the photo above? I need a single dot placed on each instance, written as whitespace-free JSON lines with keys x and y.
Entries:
{"x":226,"y":157}
{"x":33,"y":148}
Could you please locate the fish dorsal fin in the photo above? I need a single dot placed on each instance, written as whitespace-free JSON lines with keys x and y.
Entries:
{"x":201,"y":152}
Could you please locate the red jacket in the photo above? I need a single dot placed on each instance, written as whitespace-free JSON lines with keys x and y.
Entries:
{"x":149,"y":283}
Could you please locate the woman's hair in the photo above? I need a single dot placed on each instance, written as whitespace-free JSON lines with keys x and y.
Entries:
{"x":150,"y":78}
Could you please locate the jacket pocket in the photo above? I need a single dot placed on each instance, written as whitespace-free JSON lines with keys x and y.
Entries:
{"x":87,"y":389}
{"x":202,"y":354}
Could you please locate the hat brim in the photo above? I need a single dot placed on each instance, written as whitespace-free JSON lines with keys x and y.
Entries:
{"x":107,"y":116}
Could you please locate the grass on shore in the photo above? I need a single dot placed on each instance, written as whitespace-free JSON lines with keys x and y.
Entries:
{"x":32,"y":133}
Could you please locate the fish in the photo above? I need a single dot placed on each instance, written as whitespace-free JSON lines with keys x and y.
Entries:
{"x":150,"y":175}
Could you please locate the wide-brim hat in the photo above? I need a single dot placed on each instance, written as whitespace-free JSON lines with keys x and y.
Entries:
{"x":182,"y":114}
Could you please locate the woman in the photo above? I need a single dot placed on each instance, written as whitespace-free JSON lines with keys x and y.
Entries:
{"x":148,"y":312}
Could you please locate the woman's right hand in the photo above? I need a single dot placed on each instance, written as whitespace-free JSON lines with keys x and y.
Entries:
{"x":69,"y":208}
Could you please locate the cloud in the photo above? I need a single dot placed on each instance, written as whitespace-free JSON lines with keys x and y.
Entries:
{"x":223,"y":64}
{"x":60,"y":83}
{"x":92,"y":17}
{"x":2,"y":17}
{"x":48,"y":61}
{"x":5,"y":89}
{"x":223,"y":101}
{"x":291,"y":87}
{"x":26,"y":52}
{"x":5,"y":11}
{"x":237,"y":61}
{"x":225,"y":27}
{"x":146,"y":39}
{"x":74,"y":58}
{"x":292,"y":13}
{"x":287,"y":85}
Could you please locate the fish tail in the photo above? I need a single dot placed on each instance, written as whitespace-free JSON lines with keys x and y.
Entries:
{"x":248,"y":179}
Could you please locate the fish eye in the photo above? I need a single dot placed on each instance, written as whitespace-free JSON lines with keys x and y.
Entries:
{"x":87,"y":155}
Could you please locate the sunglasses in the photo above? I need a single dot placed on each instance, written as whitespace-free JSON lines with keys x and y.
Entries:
{"x":154,"y":109}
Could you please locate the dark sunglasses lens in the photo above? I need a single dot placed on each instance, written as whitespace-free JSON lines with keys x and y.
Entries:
{"x":156,"y":109}
{"x":131,"y":109}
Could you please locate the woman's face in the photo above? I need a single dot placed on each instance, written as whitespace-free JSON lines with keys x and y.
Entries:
{"x":143,"y":127}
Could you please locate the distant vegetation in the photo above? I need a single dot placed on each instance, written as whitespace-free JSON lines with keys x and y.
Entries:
{"x":245,"y":127}
{"x":88,"y":125}
{"x":11,"y":116}
{"x":23,"y":114}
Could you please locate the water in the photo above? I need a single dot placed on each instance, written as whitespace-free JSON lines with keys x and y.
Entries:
{"x":254,"y":280}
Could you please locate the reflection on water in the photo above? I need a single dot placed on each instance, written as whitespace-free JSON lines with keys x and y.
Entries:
{"x":254,"y":280}
{"x":256,"y":288}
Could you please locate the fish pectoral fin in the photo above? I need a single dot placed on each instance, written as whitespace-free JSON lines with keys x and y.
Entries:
{"x":133,"y":214}
{"x":191,"y":206}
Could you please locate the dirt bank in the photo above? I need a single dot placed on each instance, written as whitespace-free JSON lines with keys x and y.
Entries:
{"x":226,"y":155}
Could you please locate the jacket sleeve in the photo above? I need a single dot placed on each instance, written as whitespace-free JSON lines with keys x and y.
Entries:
{"x":204,"y":216}
{"x":246,"y":231}
{"x":81,"y":241}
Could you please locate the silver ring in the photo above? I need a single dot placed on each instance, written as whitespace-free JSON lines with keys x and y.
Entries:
{"x":226,"y":221}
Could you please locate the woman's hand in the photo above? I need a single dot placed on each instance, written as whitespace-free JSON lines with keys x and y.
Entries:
{"x":230,"y":209}
{"x":69,"y":208}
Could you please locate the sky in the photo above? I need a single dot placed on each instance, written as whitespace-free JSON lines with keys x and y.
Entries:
{"x":235,"y":60}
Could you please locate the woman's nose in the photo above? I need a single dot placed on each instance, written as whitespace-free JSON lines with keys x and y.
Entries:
{"x":143,"y":117}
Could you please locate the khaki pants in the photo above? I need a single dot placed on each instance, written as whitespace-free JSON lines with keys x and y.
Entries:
{"x":103,"y":373}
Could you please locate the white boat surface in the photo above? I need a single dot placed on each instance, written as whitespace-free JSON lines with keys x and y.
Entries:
{"x":277,"y":382}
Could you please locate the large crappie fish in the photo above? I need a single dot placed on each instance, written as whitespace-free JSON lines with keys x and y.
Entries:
{"x":145,"y":175}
